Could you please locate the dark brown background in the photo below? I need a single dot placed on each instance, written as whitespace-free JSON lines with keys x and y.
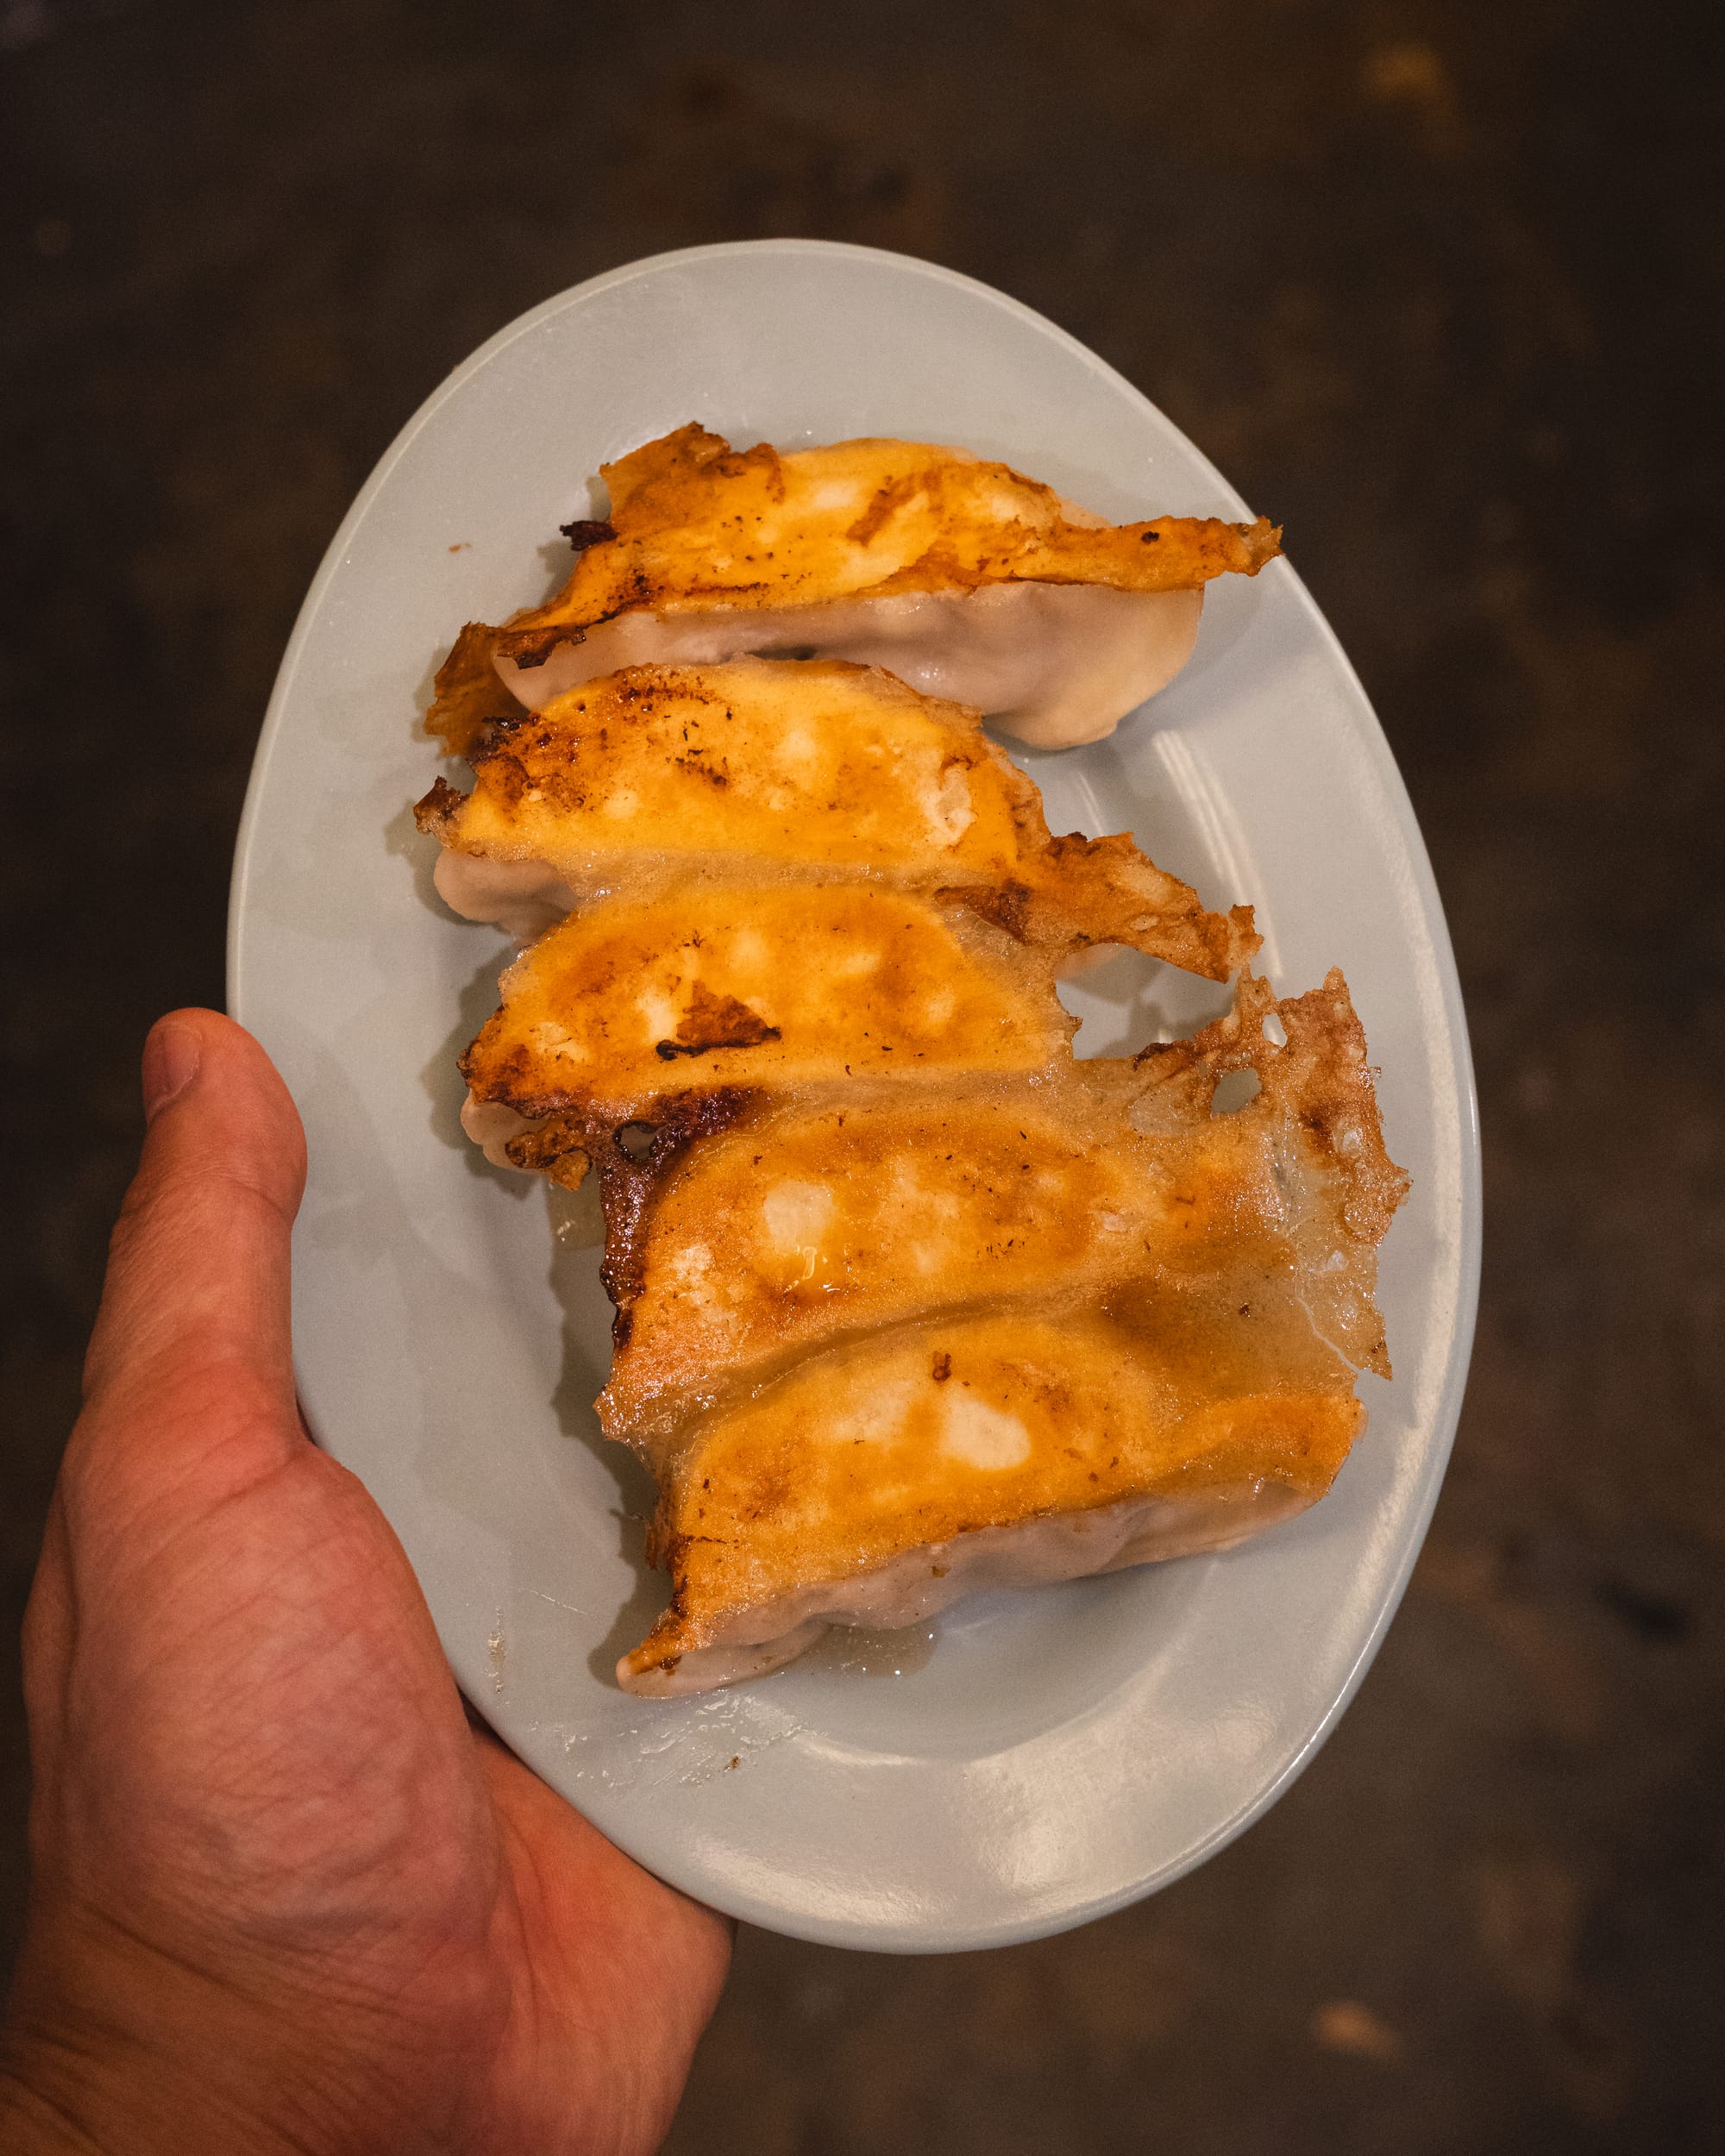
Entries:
{"x":1438,"y":286}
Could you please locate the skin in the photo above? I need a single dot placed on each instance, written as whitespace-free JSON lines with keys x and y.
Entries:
{"x":284,"y":1896}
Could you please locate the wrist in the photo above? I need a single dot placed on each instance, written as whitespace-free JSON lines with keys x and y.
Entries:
{"x":117,"y":2053}
{"x":44,"y":2104}
{"x":81,"y":2093}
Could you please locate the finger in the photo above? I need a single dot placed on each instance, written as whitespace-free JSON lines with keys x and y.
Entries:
{"x":196,"y":1301}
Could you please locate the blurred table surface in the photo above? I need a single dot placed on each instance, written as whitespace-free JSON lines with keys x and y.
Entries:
{"x":1438,"y":286}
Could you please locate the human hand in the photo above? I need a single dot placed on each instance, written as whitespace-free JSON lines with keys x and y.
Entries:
{"x":283,"y":1897}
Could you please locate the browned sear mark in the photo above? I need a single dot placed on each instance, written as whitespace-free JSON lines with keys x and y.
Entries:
{"x":555,"y":1148}
{"x":890,"y":498}
{"x":1004,"y":906}
{"x":714,"y":1021}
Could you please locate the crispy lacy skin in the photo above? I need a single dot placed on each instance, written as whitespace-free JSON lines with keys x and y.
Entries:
{"x":696,"y":527}
{"x":778,"y":985}
{"x":662,"y":774}
{"x":849,"y":1339}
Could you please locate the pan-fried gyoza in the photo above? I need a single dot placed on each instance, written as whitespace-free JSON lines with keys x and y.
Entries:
{"x":909,"y":1301}
{"x":957,"y":574}
{"x":660,"y":777}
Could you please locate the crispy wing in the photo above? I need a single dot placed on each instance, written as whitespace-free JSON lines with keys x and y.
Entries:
{"x":709,"y":551}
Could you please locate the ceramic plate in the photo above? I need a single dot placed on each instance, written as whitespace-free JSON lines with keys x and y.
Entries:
{"x":1058,"y":1753}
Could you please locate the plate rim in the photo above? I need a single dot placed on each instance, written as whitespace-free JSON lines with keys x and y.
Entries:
{"x":861,"y":1933}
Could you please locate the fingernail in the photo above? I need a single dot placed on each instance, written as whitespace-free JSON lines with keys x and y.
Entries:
{"x":170,"y":1060}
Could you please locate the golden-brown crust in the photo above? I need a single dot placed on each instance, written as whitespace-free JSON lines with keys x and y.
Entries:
{"x":467,"y":698}
{"x":634,"y":1163}
{"x":699,"y":525}
{"x":437,"y":815}
{"x":556,"y":1147}
{"x":858,"y":1460}
{"x":1197,"y":1343}
{"x":713,"y":1022}
{"x":779,"y":985}
{"x":818,"y":763}
{"x":1105,"y":891}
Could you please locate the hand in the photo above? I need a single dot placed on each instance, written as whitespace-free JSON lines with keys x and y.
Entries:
{"x":284,"y":1895}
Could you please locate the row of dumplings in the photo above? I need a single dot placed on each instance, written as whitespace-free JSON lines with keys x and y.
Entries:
{"x":909,"y":1299}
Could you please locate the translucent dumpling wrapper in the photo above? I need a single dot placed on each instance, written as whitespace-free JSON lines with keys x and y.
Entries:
{"x":959,"y":575}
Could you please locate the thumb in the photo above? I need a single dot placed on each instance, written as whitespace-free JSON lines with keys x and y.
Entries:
{"x":195,"y":1307}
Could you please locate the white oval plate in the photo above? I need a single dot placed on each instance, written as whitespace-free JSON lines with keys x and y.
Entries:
{"x":1063,"y":1753}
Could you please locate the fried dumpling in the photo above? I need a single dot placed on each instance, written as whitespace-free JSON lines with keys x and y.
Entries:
{"x":802,"y":1224}
{"x":660,"y":777}
{"x":785,"y":987}
{"x":875,"y":1372}
{"x":679,"y":771}
{"x":877,"y":1485}
{"x":959,"y":575}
